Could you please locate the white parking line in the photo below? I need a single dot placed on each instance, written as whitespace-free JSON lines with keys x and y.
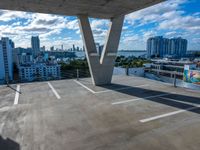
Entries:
{"x":54,"y":91}
{"x":17,"y":95}
{"x":119,"y":89}
{"x":136,"y":99}
{"x":169,"y":114}
{"x":84,"y":86}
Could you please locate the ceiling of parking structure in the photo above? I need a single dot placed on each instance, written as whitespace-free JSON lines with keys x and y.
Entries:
{"x":104,"y":9}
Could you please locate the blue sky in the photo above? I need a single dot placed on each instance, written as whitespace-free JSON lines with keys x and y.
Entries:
{"x":173,"y":18}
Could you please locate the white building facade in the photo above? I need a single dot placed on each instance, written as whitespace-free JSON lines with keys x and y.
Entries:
{"x":6,"y":63}
{"x":38,"y":72}
{"x":162,"y":47}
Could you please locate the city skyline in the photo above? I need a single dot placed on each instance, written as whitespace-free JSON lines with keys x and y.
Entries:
{"x":177,"y":18}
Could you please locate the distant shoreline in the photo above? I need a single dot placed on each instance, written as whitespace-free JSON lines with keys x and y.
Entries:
{"x":132,"y":51}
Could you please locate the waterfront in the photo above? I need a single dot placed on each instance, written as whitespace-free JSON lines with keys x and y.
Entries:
{"x":127,"y":53}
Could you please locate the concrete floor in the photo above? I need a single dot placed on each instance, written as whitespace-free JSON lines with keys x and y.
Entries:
{"x":132,"y":113}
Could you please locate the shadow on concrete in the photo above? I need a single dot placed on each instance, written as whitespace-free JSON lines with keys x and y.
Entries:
{"x":8,"y":144}
{"x":174,"y":100}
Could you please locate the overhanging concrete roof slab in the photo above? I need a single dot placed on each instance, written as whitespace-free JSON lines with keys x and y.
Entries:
{"x":93,"y":8}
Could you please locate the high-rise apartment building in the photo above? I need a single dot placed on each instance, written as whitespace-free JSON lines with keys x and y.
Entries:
{"x":155,"y":45}
{"x":35,"y":44}
{"x":178,"y":47}
{"x":160,"y":47}
{"x":6,"y":63}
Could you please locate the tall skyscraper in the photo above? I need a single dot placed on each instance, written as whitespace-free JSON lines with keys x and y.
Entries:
{"x":52,"y":48}
{"x":35,"y":43}
{"x":12,"y":44}
{"x":73,"y":49}
{"x":160,"y":47}
{"x":43,"y":48}
{"x":99,"y":48}
{"x":6,"y":63}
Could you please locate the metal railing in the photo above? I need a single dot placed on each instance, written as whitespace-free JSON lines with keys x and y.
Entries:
{"x":64,"y":74}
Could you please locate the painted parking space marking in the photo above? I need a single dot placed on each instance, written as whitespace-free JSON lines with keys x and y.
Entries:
{"x":194,"y":106}
{"x":168,"y":114}
{"x":84,"y":86}
{"x":110,"y":90}
{"x":54,"y":91}
{"x":16,"y":100}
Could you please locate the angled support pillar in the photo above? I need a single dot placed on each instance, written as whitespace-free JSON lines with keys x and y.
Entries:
{"x":101,"y":70}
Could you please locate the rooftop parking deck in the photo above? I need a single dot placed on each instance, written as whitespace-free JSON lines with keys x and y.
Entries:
{"x":132,"y":113}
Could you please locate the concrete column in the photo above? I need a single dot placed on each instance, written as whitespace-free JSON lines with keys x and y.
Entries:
{"x":101,"y":69}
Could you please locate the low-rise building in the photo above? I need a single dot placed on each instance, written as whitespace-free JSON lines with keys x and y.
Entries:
{"x":39,"y":71}
{"x":165,"y":67}
{"x":25,"y":58}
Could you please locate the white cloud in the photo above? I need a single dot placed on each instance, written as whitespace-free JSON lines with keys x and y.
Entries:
{"x":73,"y":25}
{"x":168,"y":19}
{"x":6,"y":15}
{"x":44,"y":25}
{"x":189,"y":23}
{"x":155,"y":13}
{"x":100,"y":29}
{"x":131,"y":42}
{"x":99,"y":23}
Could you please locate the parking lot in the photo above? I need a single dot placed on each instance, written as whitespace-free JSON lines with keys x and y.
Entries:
{"x":131,"y":113}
